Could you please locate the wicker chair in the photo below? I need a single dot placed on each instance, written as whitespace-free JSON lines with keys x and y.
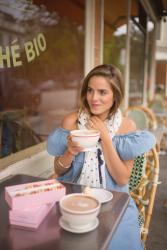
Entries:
{"x":144,"y":117}
{"x":143,"y":185}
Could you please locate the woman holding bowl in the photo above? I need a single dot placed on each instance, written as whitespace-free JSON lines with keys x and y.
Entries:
{"x":110,"y":163}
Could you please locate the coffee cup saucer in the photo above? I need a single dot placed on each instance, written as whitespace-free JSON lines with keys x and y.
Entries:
{"x":100,"y":194}
{"x":66,"y":226}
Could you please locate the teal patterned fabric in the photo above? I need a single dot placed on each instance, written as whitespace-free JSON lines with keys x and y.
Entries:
{"x":140,"y":220}
{"x":137,"y":172}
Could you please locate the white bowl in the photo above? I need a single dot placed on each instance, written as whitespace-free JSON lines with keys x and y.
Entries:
{"x":79,"y":211}
{"x":85,"y":138}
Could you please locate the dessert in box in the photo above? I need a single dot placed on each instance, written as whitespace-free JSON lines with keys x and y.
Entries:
{"x":34,"y":194}
{"x":30,"y":217}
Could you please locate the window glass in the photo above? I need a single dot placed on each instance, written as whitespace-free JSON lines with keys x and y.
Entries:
{"x":137,"y":53}
{"x":151,"y":55}
{"x":142,"y":32}
{"x":41,"y":66}
{"x":115,"y":35}
{"x":115,"y":29}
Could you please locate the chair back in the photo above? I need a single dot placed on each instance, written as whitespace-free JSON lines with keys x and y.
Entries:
{"x":143,"y":116}
{"x":143,"y":186}
{"x":138,"y":172}
{"x":139,"y":118}
{"x":157,"y":105}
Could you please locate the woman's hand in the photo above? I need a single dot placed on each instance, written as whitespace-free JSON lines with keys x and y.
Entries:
{"x":73,"y":147}
{"x":96,"y":123}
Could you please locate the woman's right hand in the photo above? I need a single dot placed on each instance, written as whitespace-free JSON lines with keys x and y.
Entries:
{"x":72,"y":146}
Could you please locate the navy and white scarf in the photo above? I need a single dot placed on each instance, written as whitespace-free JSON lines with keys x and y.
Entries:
{"x":93,"y":171}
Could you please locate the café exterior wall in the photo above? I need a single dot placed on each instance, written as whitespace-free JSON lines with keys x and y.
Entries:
{"x":62,"y":48}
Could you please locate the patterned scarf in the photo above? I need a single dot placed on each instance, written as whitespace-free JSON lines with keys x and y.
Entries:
{"x":93,"y":171}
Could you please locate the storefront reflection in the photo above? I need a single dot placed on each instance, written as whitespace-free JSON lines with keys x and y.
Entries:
{"x":41,"y":52}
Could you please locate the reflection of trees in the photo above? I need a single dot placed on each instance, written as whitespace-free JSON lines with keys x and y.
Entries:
{"x":61,"y":62}
{"x":63,"y":59}
{"x":137,"y":60}
{"x":112,"y":50}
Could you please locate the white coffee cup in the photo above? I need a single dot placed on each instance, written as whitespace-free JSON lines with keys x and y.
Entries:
{"x":79,"y":211}
{"x":85,"y":138}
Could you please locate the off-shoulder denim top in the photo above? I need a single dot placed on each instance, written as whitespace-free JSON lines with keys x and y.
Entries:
{"x":128,"y":146}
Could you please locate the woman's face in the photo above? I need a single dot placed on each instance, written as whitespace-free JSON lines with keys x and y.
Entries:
{"x":99,"y":96}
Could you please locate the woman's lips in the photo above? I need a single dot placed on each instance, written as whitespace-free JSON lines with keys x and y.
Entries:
{"x":94,"y":106}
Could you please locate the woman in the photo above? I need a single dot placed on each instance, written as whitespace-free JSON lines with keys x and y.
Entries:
{"x":101,"y":95}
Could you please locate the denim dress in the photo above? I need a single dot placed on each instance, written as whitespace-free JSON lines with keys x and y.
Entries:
{"x":128,"y":146}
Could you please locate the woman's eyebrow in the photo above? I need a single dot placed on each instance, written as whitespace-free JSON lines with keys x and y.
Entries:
{"x":97,"y":89}
{"x":103,"y":89}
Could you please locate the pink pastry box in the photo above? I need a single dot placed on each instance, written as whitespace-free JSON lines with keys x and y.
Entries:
{"x":34,"y":194}
{"x":29,"y":218}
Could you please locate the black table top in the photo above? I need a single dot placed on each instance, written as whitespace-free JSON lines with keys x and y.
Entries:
{"x":50,"y":235}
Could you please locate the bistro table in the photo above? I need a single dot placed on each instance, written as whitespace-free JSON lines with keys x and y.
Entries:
{"x":49,"y":235}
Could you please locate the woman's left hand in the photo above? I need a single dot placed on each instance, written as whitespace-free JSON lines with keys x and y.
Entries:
{"x":96,"y":123}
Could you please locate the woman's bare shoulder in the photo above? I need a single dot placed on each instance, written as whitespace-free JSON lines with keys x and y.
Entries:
{"x":70,"y":121}
{"x":127,"y":126}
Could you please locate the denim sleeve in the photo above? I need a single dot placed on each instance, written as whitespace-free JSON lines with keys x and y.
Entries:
{"x":57,"y":142}
{"x":134,"y":144}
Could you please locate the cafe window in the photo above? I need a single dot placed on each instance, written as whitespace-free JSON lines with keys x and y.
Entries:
{"x":150,"y":56}
{"x":115,"y":35}
{"x":139,"y":56}
{"x":142,"y":42}
{"x":115,"y":25}
{"x":138,"y":24}
{"x":41,"y":67}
